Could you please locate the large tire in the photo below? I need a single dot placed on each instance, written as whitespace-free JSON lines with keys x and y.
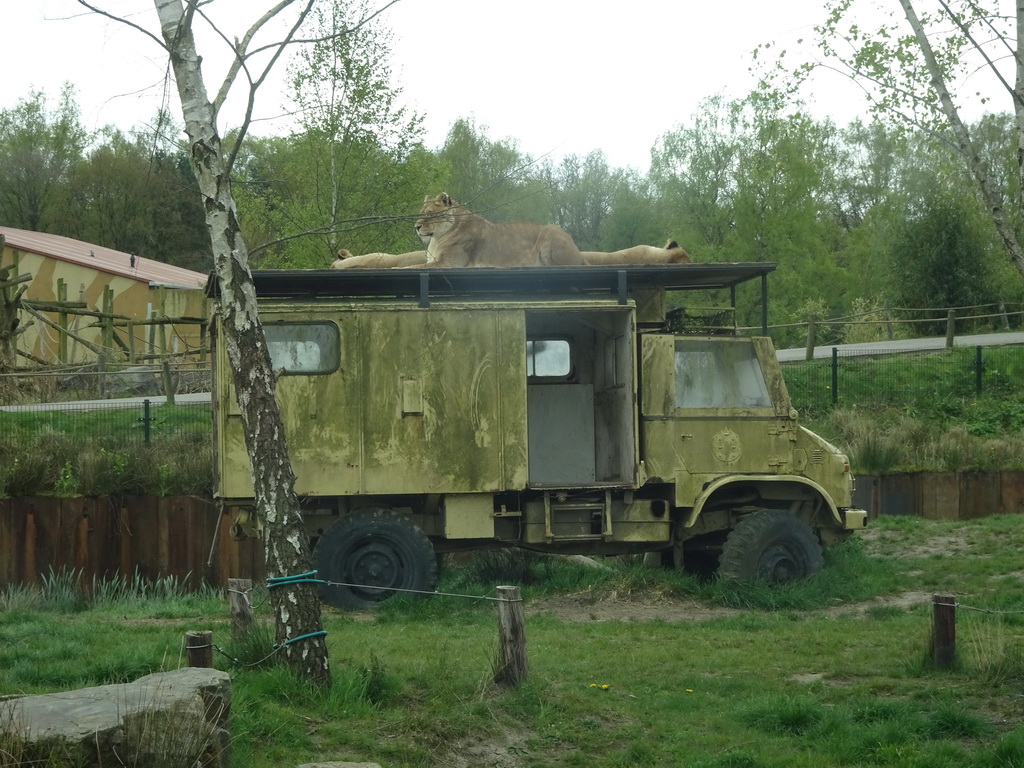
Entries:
{"x":770,"y":545}
{"x":369,"y":554}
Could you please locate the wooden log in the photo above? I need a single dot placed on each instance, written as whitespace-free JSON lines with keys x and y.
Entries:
{"x":199,"y":645}
{"x":240,"y":605}
{"x":512,"y":666}
{"x":49,"y":322}
{"x":15,"y":281}
{"x":74,"y":307}
{"x":943,"y":631}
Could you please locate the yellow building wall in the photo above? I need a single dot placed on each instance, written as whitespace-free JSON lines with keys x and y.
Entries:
{"x":131,"y":298}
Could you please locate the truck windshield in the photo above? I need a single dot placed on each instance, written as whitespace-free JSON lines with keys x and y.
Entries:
{"x":718,"y":375}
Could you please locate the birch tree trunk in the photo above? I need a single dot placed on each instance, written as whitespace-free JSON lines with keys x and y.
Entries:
{"x":296,"y":605}
{"x":963,"y":140}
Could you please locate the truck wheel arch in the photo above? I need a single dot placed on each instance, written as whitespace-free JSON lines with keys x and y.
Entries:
{"x":775,"y":484}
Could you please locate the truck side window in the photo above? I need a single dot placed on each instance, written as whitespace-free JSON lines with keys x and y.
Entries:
{"x":548,"y":358}
{"x":303,"y":348}
{"x":717,"y":375}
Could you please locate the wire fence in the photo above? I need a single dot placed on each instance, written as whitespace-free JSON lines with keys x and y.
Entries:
{"x":884,"y":323}
{"x":902,"y":379}
{"x":133,"y":421}
{"x":98,"y":381}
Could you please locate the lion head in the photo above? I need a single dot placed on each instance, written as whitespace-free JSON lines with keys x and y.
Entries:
{"x":437,"y":216}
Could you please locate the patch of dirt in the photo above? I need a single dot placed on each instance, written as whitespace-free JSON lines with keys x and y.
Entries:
{"x":506,"y":749}
{"x":904,"y":600}
{"x":588,"y":608}
{"x":887,"y":542}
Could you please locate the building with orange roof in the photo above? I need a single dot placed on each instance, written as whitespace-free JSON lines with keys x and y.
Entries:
{"x":115,"y":304}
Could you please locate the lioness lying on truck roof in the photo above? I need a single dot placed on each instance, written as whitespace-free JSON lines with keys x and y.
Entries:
{"x":457,"y":238}
{"x":346,"y":260}
{"x":640,"y":254}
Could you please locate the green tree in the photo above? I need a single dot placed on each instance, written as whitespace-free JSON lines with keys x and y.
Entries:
{"x":581,"y":190}
{"x":693,"y":172}
{"x":357,"y":166}
{"x":924,"y":70}
{"x":633,"y":218}
{"x":493,"y":178}
{"x":749,"y":182}
{"x":39,"y":152}
{"x":136,"y":193}
{"x":935,"y":257}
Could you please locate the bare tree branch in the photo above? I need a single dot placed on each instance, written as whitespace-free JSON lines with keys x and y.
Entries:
{"x":966,"y":32}
{"x":112,"y":17}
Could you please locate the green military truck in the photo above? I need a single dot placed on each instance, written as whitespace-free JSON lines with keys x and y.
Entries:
{"x":563,"y":410}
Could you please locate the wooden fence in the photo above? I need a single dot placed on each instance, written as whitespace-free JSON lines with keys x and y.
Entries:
{"x":186,"y":537}
{"x":942,"y":495}
{"x":180,"y":536}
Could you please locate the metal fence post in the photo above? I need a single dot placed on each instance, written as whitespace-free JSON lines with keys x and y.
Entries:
{"x":146,"y":420}
{"x":977,"y":370}
{"x":835,"y":376}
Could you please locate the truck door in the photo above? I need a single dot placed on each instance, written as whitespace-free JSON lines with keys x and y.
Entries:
{"x":581,"y":385}
{"x":712,"y":405}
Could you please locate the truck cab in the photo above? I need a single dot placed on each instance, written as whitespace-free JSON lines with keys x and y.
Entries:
{"x":580,"y":410}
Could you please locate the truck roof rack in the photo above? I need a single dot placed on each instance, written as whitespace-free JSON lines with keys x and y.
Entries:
{"x":422,"y":284}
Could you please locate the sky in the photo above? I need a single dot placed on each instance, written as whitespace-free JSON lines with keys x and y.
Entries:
{"x":557,"y":76}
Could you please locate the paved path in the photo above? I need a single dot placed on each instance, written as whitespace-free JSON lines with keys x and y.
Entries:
{"x":903,"y":345}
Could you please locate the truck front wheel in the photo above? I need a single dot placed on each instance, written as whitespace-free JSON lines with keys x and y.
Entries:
{"x":368,"y":555}
{"x":770,"y":545}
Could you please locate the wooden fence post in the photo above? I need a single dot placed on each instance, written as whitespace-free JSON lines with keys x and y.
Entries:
{"x":950,"y":328}
{"x":511,"y":663}
{"x":241,"y":608}
{"x":199,"y":645}
{"x":811,"y":337}
{"x":62,"y":321}
{"x":943,"y":630}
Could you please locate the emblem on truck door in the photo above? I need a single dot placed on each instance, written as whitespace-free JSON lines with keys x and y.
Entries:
{"x":726,"y":446}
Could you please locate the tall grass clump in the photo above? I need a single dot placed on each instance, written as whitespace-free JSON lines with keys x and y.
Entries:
{"x":782,"y":714}
{"x":990,"y":650}
{"x":252,"y":648}
{"x":63,"y":592}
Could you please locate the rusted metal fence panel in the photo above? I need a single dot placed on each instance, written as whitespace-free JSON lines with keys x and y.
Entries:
{"x":1011,"y":486}
{"x":899,"y":495}
{"x":940,"y":494}
{"x":180,"y":536}
{"x":980,"y":494}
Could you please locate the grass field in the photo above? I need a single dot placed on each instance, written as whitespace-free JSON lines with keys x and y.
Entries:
{"x":629,"y":666}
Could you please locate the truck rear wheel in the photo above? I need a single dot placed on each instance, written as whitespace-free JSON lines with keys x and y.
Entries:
{"x":770,"y":545}
{"x":371,"y":553}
